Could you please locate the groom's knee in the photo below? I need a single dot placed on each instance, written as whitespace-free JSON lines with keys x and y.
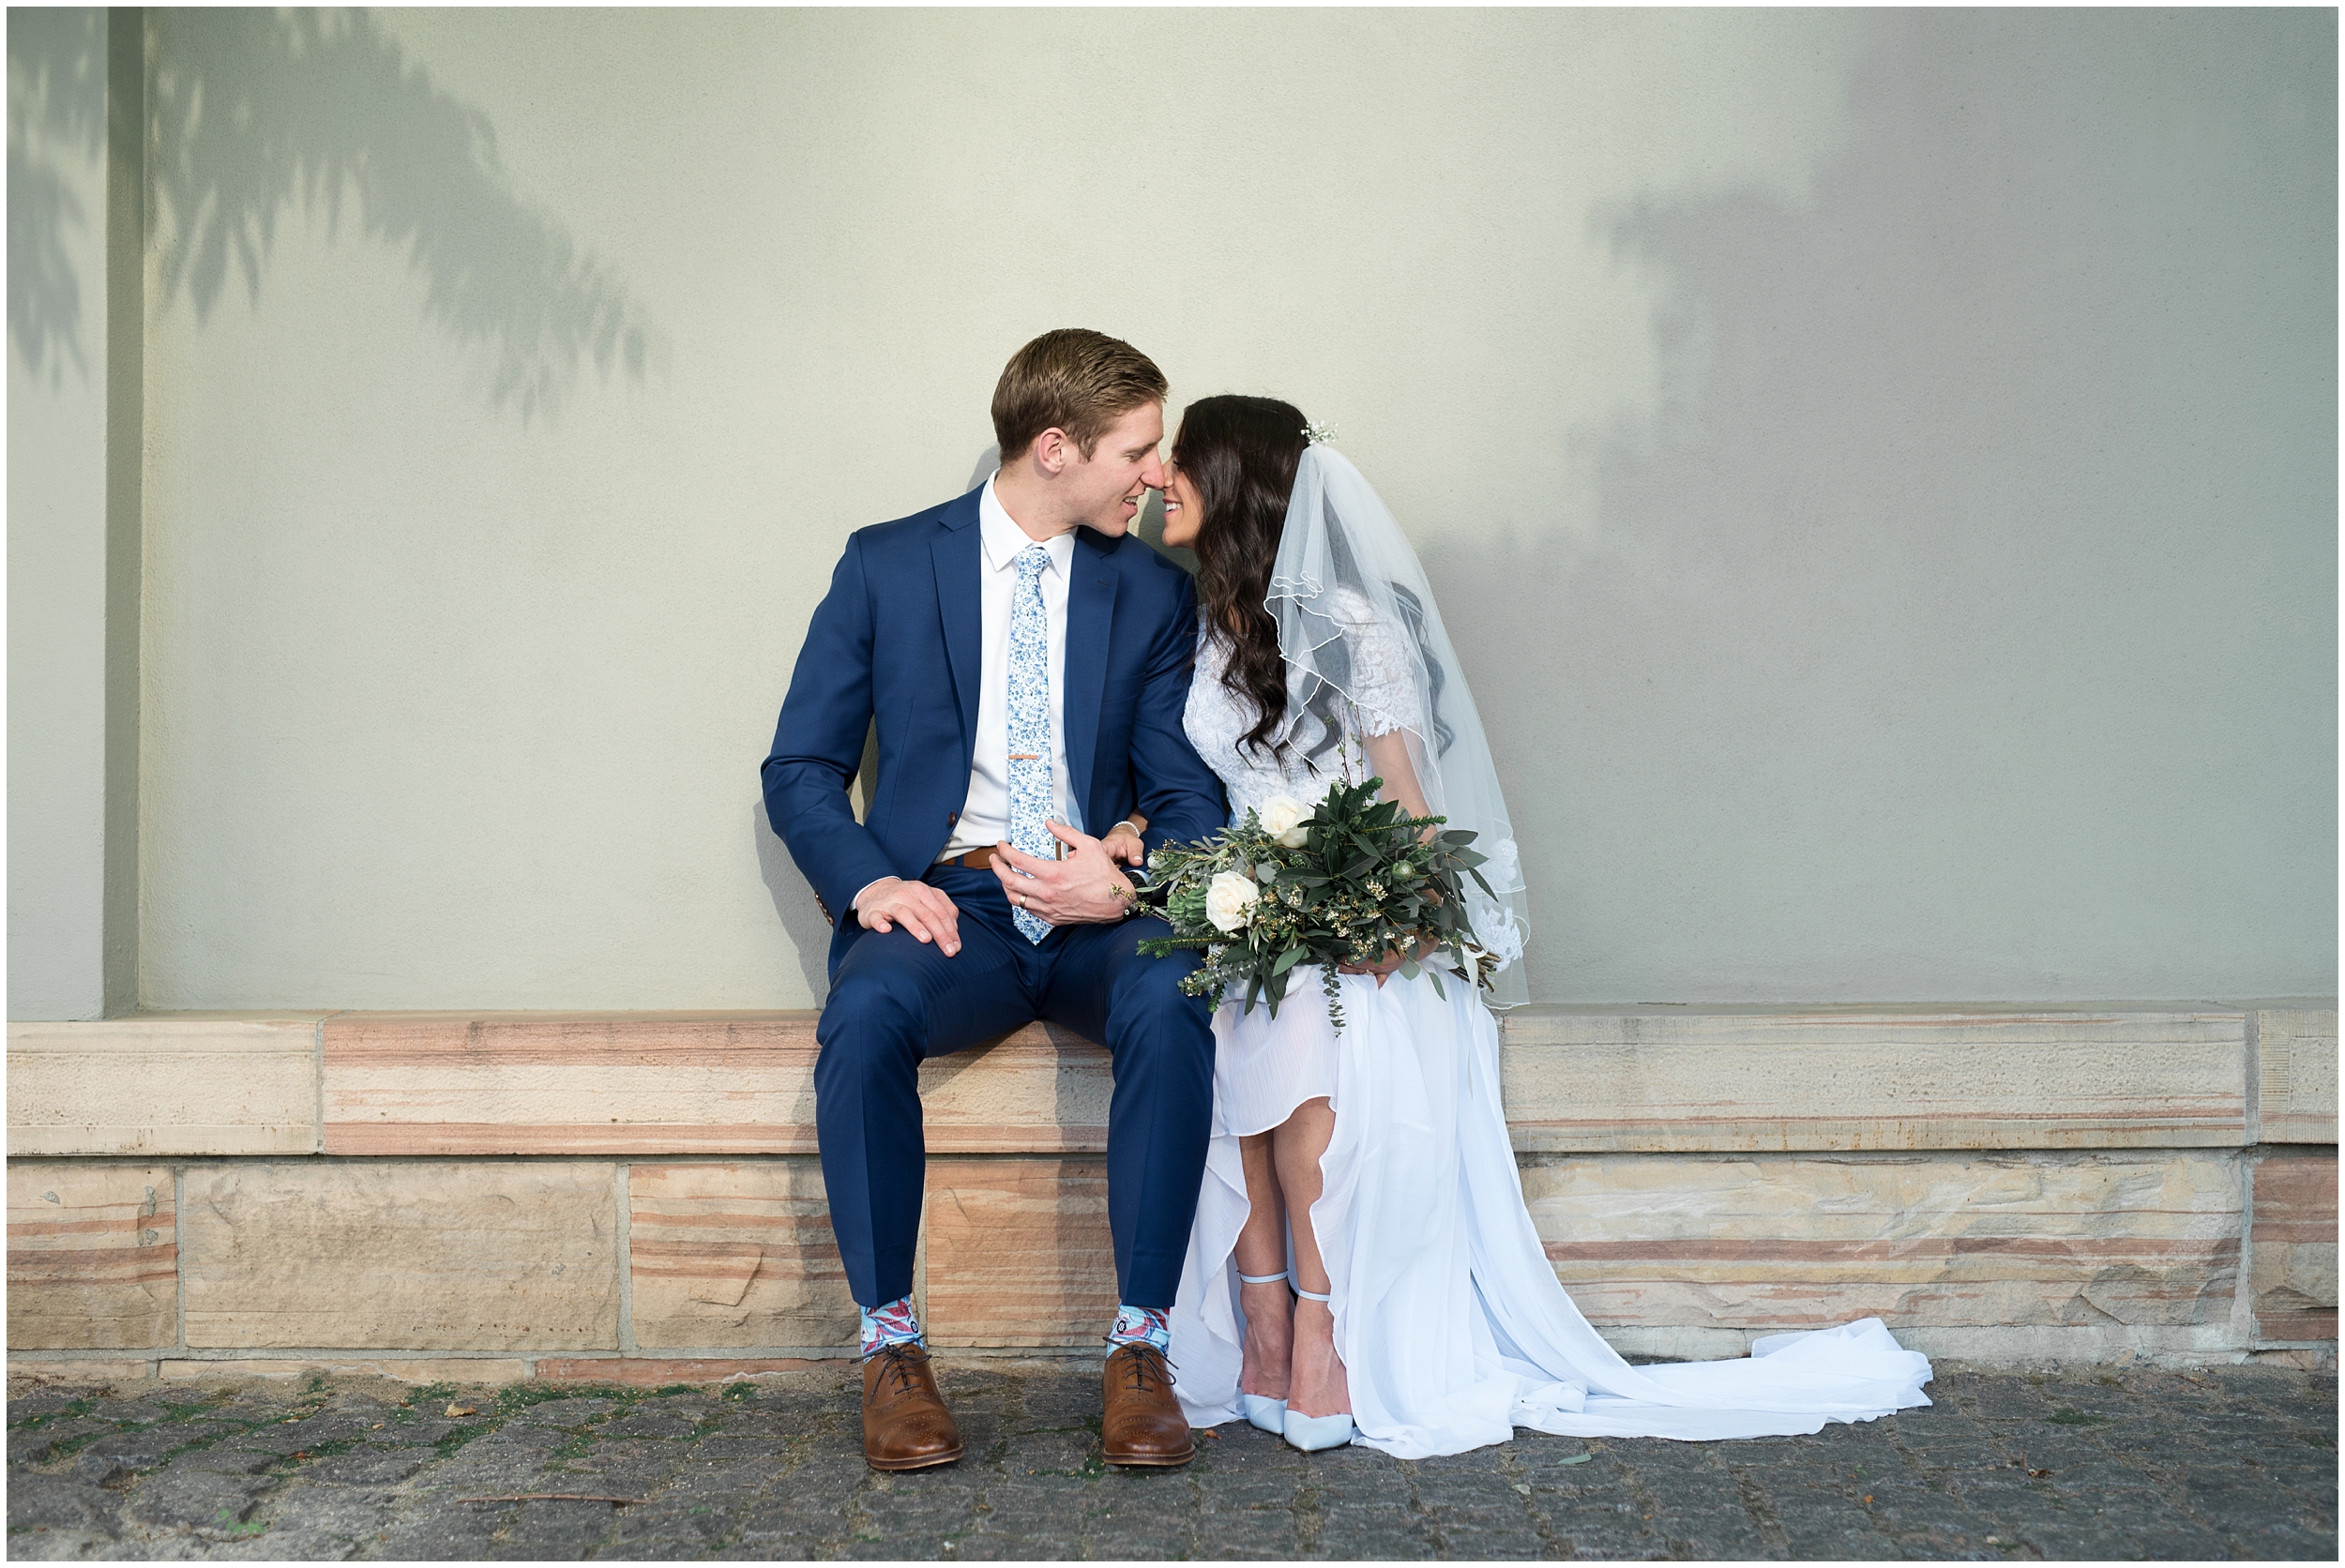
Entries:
{"x":1148,"y":981}
{"x":1148,"y":1003}
{"x":874,"y":1018}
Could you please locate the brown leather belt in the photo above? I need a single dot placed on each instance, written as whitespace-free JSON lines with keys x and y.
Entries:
{"x":982,"y":860}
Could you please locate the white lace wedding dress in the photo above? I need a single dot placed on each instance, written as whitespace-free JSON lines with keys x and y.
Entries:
{"x":1452,"y":1326}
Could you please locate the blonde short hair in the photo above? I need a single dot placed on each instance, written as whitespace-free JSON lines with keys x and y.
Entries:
{"x":1074,"y":380}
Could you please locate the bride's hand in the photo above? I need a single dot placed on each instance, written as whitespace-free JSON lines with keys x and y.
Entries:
{"x":1392,"y":960}
{"x":1122,"y":844}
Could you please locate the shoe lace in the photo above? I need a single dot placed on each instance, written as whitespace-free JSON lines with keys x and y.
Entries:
{"x":897,"y":1364}
{"x":1143,"y":1365}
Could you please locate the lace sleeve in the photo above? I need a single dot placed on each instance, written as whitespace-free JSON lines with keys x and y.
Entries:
{"x":1383,"y":663}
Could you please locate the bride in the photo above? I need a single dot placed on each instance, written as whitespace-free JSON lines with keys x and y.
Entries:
{"x":1370,"y":1170}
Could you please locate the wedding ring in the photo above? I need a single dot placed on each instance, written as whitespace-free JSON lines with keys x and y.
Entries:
{"x":1019,"y":898}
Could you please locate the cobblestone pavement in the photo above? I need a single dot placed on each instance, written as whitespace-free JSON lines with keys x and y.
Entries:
{"x":2226,"y":1462}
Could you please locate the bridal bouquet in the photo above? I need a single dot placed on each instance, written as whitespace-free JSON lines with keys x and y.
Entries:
{"x":1349,"y":881}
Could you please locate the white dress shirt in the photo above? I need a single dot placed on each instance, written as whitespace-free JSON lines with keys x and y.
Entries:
{"x":985,"y":815}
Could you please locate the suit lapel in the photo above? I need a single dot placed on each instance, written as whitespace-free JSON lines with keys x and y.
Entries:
{"x":954,"y":553}
{"x":1090,"y":618}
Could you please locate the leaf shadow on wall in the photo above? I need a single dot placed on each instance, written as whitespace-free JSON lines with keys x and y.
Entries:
{"x":1840,"y":670}
{"x":56,"y":104}
{"x":253,"y":115}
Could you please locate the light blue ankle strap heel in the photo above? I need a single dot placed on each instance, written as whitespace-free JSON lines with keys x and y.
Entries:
{"x":1311,"y":1433}
{"x":1261,"y":1410}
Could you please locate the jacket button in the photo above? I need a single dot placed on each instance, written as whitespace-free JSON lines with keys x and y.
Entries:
{"x":951,"y":817}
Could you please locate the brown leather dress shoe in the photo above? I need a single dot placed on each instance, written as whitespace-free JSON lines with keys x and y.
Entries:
{"x":906,"y":1423}
{"x":1143,"y":1423}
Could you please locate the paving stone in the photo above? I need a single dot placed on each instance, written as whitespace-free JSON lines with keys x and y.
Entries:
{"x":365,"y":1467}
{"x":1718,"y":1532}
{"x":554,"y":1531}
{"x":780,"y":1548}
{"x":562,"y":1413}
{"x":53,"y":1439}
{"x":223,"y":1460}
{"x":778,"y":1473}
{"x":53,"y":1503}
{"x":1817,"y":1523}
{"x":1481,"y":1541}
{"x":653,"y":1424}
{"x":119,"y":1455}
{"x":193,"y":1499}
{"x":452,"y":1534}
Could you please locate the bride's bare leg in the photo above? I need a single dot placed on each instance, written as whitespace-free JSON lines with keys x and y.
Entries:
{"x":1316,"y":1387}
{"x":1262,"y":1249}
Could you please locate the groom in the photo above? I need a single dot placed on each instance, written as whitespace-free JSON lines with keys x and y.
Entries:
{"x":1028,"y":665}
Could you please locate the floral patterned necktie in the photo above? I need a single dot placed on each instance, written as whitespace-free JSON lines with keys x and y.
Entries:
{"x":1030,"y":723}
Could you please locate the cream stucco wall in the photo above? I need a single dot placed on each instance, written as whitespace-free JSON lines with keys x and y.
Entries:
{"x":1879,"y":468}
{"x":57,"y":503}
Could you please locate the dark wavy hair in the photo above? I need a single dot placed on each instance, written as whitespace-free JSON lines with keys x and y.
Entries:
{"x":1240,"y":454}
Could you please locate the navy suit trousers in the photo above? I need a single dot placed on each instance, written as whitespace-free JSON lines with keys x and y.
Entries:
{"x":896,"y":1000}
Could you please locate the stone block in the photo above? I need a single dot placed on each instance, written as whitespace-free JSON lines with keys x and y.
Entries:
{"x":463,"y":1255}
{"x":93,"y":1258}
{"x":727,"y":1256}
{"x":636,"y":1084}
{"x":2291,"y":1273}
{"x":1663,"y":1080}
{"x":169,"y":1084}
{"x":2296,"y":1074}
{"x":80,"y":1370}
{"x":426,"y":1369}
{"x":1043,"y":1090}
{"x":569,"y":1083}
{"x":651,"y":1372}
{"x":1645,"y":1079}
{"x":2148,"y":1241}
{"x":1017,"y":1252}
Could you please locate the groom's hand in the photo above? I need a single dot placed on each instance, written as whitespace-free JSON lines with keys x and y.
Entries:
{"x":1081,"y":890}
{"x":922,"y":910}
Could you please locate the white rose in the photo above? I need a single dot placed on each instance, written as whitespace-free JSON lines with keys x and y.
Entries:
{"x":1227,"y":897}
{"x":1281,"y":817}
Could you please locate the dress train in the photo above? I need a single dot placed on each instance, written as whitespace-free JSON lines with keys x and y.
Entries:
{"x":1451,"y":1323}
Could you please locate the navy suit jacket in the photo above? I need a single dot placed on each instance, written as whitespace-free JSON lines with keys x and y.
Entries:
{"x":898,"y":637}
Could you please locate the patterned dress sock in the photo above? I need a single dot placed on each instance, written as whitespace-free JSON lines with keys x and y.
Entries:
{"x":893,"y":1324}
{"x":1030,"y":724}
{"x":1142,"y":1325}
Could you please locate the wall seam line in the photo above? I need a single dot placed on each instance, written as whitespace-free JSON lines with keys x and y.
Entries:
{"x":179,"y":1254}
{"x":317,"y":1087}
{"x":623,"y":1253}
{"x":2251,"y":1093}
{"x":2243,"y":1293}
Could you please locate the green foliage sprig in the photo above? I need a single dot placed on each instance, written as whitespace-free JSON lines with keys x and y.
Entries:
{"x":1355,"y":880}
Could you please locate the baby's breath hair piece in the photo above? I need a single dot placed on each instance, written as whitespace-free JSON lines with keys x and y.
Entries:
{"x":1314,"y":434}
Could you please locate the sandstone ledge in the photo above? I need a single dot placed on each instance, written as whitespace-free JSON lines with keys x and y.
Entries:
{"x":623,"y":1196}
{"x":1579,"y":1079}
{"x":573,"y":1266}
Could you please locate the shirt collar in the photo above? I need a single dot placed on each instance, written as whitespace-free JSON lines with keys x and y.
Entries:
{"x":1002,"y":538}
